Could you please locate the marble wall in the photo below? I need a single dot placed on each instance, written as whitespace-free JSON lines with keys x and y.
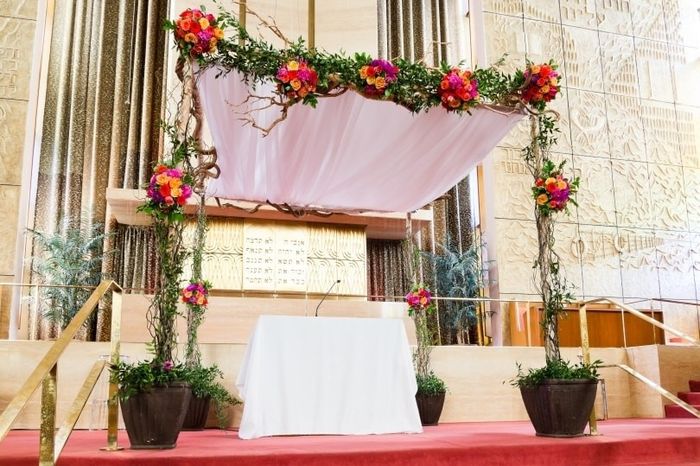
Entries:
{"x":17,"y":27}
{"x":630,"y":127}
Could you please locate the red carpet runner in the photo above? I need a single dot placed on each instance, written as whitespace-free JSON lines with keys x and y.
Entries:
{"x":624,"y":442}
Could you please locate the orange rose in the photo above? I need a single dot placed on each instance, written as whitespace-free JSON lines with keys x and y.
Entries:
{"x":542,"y":199}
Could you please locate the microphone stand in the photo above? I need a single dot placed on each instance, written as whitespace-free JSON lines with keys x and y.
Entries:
{"x":325,"y":296}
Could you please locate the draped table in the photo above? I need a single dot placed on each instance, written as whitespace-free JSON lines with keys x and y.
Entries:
{"x":327,"y":375}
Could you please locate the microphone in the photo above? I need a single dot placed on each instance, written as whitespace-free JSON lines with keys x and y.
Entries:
{"x":325,"y":296}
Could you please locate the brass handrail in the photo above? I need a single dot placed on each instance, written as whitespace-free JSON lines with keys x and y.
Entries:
{"x":45,"y":374}
{"x":641,"y":315}
{"x":586,"y":353}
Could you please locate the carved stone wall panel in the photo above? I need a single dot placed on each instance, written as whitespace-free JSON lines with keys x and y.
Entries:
{"x":582,"y":58}
{"x":600,"y":262}
{"x":648,"y":19}
{"x":355,"y":277}
{"x":614,"y":16}
{"x":13,"y":116}
{"x":9,"y":199}
{"x":544,"y":42}
{"x":16,"y":37}
{"x":225,"y":236}
{"x":506,"y":36}
{"x":580,"y":13}
{"x":619,"y":67}
{"x":589,"y":128}
{"x":516,"y":252}
{"x":639,"y":269}
{"x":561,"y":106}
{"x":506,"y":7}
{"x":26,"y":9}
{"x":541,"y":10}
{"x":322,"y":273}
{"x":683,"y":23}
{"x":568,"y":249}
{"x":675,"y":265}
{"x":625,"y":128}
{"x":654,"y":70}
{"x":513,"y":185}
{"x":632,"y":194}
{"x":518,"y":136}
{"x":669,"y":196}
{"x":692,"y":188}
{"x":695,"y":260}
{"x":661,"y":132}
{"x":223,"y":270}
{"x":595,"y":198}
{"x":685,"y":68}
{"x":352,"y":244}
{"x":688,"y":119}
{"x":323,"y":241}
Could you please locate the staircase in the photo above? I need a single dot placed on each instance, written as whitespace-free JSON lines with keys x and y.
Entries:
{"x":692,"y":397}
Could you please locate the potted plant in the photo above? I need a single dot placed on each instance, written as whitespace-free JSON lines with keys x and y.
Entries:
{"x":155,"y":394}
{"x":430,"y":395}
{"x":558,"y":397}
{"x":205,"y":387}
{"x":70,"y":257}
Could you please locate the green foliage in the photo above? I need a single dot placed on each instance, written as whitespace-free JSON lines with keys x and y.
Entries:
{"x":556,"y":369}
{"x":73,"y":257}
{"x":142,"y":376}
{"x":430,"y":384}
{"x":416,"y":87}
{"x":457,"y":275}
{"x":205,"y":382}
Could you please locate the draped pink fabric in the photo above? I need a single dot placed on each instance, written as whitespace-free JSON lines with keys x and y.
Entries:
{"x":350,"y":153}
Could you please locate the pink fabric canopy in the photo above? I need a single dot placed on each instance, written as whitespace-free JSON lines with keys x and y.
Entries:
{"x":348,"y":154}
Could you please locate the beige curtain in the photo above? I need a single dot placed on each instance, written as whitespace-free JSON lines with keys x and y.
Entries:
{"x":135,"y":264}
{"x":388,"y":273}
{"x":103,"y":107}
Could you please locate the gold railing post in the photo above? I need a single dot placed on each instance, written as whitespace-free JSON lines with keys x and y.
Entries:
{"x":48,"y":418}
{"x":586,"y":351}
{"x":113,"y":400}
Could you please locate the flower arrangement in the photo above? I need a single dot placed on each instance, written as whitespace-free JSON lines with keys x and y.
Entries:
{"x":297,"y":79}
{"x":168,"y":190}
{"x":196,"y":294}
{"x":196,"y":32}
{"x":377,"y":76}
{"x":458,"y":90}
{"x":419,"y":299}
{"x":552,"y":191}
{"x":540,"y":84}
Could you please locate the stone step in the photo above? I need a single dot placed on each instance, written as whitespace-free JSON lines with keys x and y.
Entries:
{"x":673,"y":411}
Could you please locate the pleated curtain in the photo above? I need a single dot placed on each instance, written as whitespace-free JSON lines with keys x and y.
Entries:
{"x":101,"y":124}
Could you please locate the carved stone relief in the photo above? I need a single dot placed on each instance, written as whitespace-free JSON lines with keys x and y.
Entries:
{"x":692,"y":187}
{"x":625,"y":128}
{"x":640,"y":276}
{"x":12,"y":120}
{"x":541,"y":10}
{"x":569,"y":258}
{"x":654,"y":70}
{"x":614,"y":16}
{"x":632,"y":194}
{"x":506,"y":7}
{"x":578,"y":13}
{"x":582,"y":58}
{"x":516,"y":252}
{"x":513,"y":185}
{"x":669,"y":196}
{"x":600,"y":261}
{"x":25,"y":9}
{"x":619,"y":68}
{"x":16,"y":37}
{"x":685,"y":67}
{"x":689,"y":135}
{"x":589,"y":129}
{"x":683,"y":23}
{"x":648,"y":19}
{"x":595,"y":197}
{"x":661,"y":132}
{"x":506,"y":36}
{"x":675,"y":266}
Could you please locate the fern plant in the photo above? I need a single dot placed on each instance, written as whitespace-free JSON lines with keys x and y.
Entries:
{"x":458,"y":275}
{"x":73,"y":257}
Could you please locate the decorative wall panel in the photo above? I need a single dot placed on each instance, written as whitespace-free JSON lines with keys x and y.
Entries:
{"x":589,"y":125}
{"x":691,"y":178}
{"x":506,"y":7}
{"x":13,"y":115}
{"x":600,"y":261}
{"x":688,"y":119}
{"x":640,"y":275}
{"x":578,"y":13}
{"x":506,"y":40}
{"x":513,"y":185}
{"x":614,"y":16}
{"x":675,"y":265}
{"x":669,"y":194}
{"x":632,"y":194}
{"x":625,"y":128}
{"x":582,"y":58}
{"x":9,"y":199}
{"x":596,"y":198}
{"x":661,"y":132}
{"x":648,"y":19}
{"x":654,"y":70}
{"x":619,"y":65}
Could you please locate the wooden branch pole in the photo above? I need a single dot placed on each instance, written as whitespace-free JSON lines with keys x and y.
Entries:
{"x":312,"y":24}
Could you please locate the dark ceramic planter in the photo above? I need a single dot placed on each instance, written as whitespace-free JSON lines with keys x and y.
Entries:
{"x":197,"y":414}
{"x":560,"y":408}
{"x":430,"y":408}
{"x":153,"y":419}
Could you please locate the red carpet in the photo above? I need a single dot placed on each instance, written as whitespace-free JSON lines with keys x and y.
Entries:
{"x":624,"y":442}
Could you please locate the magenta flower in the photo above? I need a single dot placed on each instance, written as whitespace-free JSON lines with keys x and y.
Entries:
{"x":168,"y":366}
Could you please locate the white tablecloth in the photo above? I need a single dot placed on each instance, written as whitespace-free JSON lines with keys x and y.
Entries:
{"x":327,"y":375}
